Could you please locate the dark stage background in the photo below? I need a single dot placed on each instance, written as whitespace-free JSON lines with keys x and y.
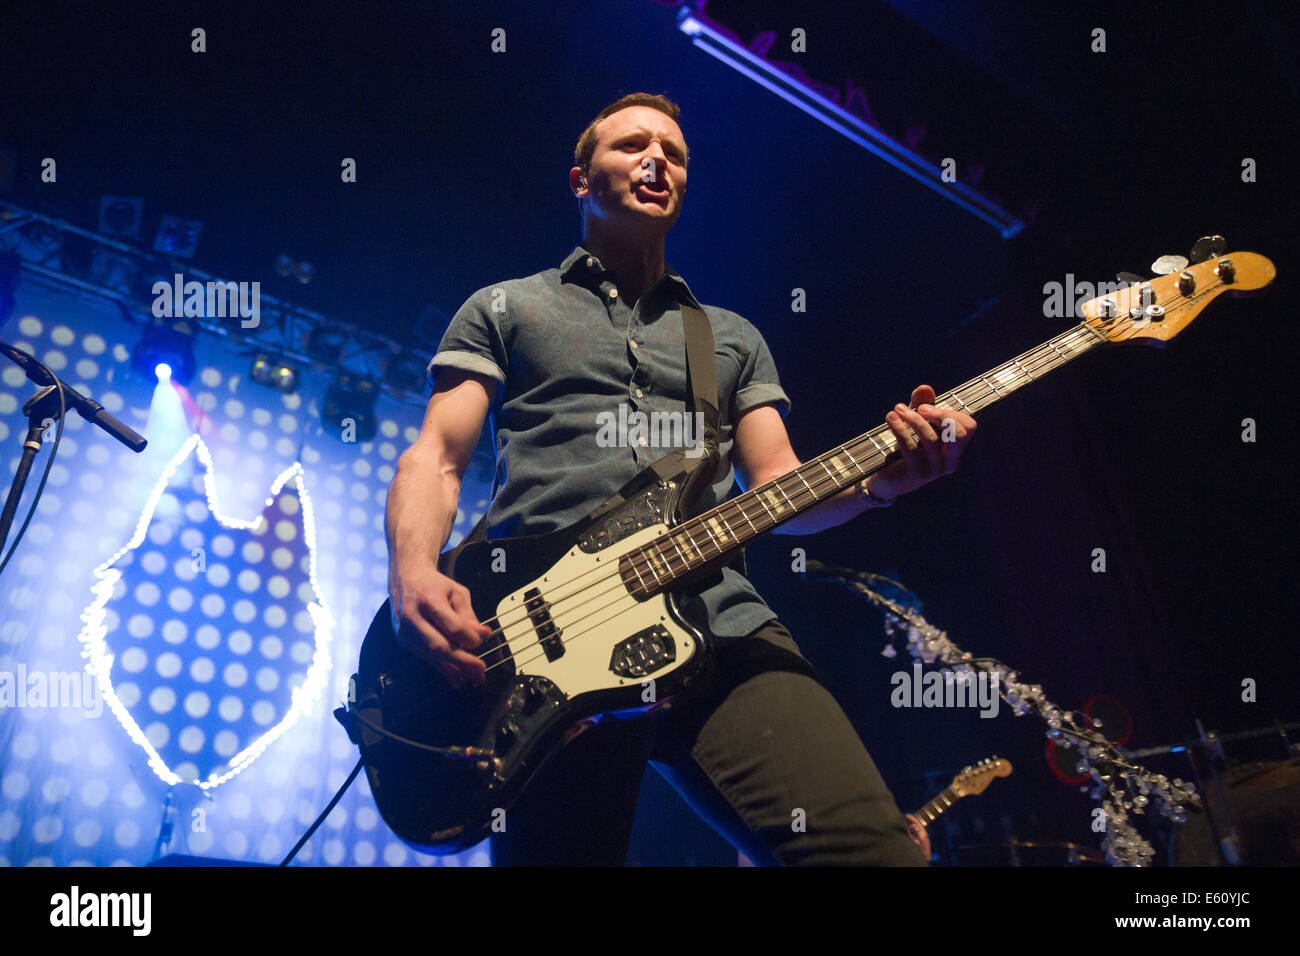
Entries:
{"x":1112,"y":159}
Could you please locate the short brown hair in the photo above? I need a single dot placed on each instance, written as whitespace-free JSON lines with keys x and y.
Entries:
{"x":586,"y":147}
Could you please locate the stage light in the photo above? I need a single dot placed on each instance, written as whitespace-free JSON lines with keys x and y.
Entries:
{"x":723,"y":46}
{"x":120,"y":216}
{"x":169,"y":346}
{"x":163,"y":371}
{"x":349,"y":409}
{"x":274,"y":373}
{"x":325,"y":344}
{"x":407,"y":371}
{"x":178,"y":237}
{"x":302,"y":270}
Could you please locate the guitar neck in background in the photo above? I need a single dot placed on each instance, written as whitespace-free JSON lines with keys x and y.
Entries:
{"x":930,"y":812}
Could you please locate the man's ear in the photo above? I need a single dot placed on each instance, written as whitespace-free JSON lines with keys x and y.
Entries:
{"x":577,"y":181}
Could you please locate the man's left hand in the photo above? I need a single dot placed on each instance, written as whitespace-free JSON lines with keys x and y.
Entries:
{"x":916,"y":830}
{"x":931,"y":441}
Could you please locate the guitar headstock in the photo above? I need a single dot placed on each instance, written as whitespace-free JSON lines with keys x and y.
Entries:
{"x":1159,"y":309}
{"x":975,"y":780}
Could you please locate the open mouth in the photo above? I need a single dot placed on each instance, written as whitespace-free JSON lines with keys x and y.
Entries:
{"x":655,"y":192}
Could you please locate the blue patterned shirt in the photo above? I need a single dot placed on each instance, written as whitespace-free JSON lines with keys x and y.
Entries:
{"x":577,"y":368}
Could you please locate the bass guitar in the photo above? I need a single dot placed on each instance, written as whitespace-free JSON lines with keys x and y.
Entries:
{"x":586,"y":622}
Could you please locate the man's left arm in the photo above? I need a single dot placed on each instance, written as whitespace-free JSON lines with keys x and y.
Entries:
{"x":762,"y":452}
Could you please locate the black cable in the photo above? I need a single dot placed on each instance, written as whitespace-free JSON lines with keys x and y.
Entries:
{"x":321,"y":819}
{"x":58,"y":436}
{"x":458,"y":753}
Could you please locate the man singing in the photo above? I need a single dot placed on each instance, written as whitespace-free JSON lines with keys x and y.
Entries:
{"x":763,"y":752}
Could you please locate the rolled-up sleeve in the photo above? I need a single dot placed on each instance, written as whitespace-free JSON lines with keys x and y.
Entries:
{"x":473,"y":341}
{"x":758,"y":383}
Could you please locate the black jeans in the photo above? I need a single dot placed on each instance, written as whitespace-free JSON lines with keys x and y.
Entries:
{"x":763,"y":753}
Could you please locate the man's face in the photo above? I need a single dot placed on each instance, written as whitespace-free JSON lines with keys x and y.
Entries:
{"x":638,"y":170}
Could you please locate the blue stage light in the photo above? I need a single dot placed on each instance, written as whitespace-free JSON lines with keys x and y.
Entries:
{"x":164,"y":345}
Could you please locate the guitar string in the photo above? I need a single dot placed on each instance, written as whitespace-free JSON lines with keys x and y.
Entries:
{"x":740,"y":503}
{"x":1046,"y":350}
{"x":820,"y":482}
{"x":685,"y":531}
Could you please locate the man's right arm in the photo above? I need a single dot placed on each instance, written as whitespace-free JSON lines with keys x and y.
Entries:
{"x":432,"y":615}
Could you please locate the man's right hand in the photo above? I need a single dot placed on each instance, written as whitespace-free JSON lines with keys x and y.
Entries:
{"x":432,"y":614}
{"x":434,"y":620}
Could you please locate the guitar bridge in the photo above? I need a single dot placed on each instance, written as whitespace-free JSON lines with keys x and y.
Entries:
{"x":643,"y":653}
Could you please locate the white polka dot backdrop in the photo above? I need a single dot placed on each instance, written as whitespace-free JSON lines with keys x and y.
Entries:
{"x":207,"y":630}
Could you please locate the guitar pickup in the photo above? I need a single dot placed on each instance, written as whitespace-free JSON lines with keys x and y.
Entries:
{"x":548,"y":634}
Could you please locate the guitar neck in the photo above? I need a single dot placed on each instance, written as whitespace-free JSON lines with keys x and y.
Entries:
{"x":705,"y":539}
{"x":930,"y":812}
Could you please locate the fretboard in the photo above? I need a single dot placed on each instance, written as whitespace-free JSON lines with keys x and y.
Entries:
{"x":930,"y":812}
{"x":708,"y":537}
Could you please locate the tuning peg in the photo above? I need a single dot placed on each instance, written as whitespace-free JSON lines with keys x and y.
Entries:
{"x":1207,"y":247}
{"x":1167,"y":264}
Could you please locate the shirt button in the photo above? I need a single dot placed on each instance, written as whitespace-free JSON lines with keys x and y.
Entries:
{"x":590,"y":261}
{"x":641,"y":439}
{"x":613,"y":293}
{"x":639,"y":394}
{"x":632,"y":342}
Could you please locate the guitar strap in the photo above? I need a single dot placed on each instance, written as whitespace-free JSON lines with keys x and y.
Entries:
{"x":702,"y":399}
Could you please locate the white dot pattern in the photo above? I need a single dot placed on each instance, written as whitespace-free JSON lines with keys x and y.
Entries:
{"x":208,"y":627}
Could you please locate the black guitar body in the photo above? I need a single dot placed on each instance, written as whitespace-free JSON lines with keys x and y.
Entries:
{"x":559,"y":667}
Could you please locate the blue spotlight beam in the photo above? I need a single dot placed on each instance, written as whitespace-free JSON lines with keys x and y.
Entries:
{"x":717,"y":45}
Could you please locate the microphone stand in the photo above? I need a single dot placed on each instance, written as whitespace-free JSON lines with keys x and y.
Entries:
{"x":52,"y":399}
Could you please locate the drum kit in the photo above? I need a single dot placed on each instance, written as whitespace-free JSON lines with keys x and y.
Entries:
{"x":1251,"y":816}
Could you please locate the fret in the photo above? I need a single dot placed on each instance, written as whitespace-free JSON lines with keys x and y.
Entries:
{"x":1022,"y":370}
{"x":1097,"y":335}
{"x":635,"y":570}
{"x":1052,"y":345}
{"x":718,"y":529}
{"x":799,"y":474}
{"x":883,"y":453}
{"x":1005,"y":375}
{"x":686,"y":539}
{"x":740,"y":506}
{"x":788,"y":503}
{"x":849,"y":455}
{"x":985,"y":380}
{"x":653,"y":560}
{"x":957,"y":398}
{"x":672,"y":539}
{"x":830,"y":474}
{"x":758,"y":496}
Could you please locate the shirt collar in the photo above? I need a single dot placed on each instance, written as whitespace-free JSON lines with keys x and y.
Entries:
{"x":575,"y":268}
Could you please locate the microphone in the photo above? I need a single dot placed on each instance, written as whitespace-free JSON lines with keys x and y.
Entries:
{"x":87,"y":408}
